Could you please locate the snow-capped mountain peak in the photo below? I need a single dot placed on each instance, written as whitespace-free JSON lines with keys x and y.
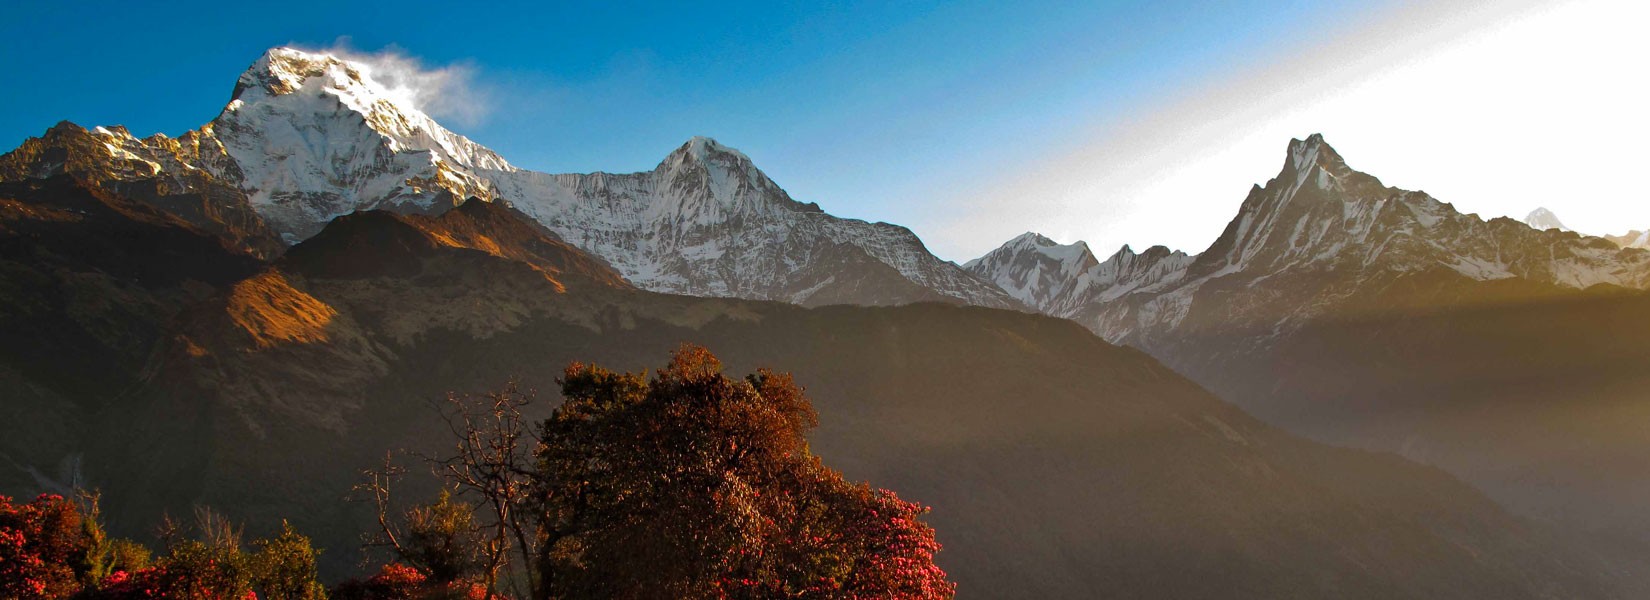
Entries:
{"x":1062,"y":279}
{"x":1318,"y":220}
{"x":704,"y":150}
{"x":282,"y":71}
{"x":311,"y":136}
{"x":1031,"y":239}
{"x":1071,"y":258}
{"x":316,"y":136}
{"x":294,"y":83}
{"x":1057,"y":278}
{"x":704,"y":175}
{"x":1541,"y":218}
{"x":1314,"y":150}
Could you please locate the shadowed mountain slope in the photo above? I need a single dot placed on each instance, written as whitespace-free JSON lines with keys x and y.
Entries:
{"x":1059,"y":465}
{"x":1358,"y":314}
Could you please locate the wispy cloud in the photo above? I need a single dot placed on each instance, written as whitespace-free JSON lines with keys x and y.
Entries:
{"x":450,"y":93}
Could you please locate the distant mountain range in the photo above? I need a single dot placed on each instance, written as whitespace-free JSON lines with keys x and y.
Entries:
{"x":1317,"y":215}
{"x":1541,"y":218}
{"x":310,"y":137}
{"x":247,"y":314}
{"x":1355,"y":313}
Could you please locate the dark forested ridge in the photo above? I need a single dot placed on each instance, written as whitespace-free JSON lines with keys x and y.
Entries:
{"x":1058,"y":465}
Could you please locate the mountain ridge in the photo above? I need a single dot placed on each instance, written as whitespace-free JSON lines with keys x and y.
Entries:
{"x":1369,"y":316}
{"x":308,"y":137}
{"x":1330,"y":213}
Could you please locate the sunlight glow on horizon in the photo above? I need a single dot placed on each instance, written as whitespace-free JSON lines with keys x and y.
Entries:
{"x":1497,"y":109}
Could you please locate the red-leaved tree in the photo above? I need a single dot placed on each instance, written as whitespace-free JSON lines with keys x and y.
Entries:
{"x":692,"y":484}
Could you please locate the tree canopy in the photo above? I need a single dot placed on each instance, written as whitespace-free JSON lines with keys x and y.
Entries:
{"x":692,"y":484}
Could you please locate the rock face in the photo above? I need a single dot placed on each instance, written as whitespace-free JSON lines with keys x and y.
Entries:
{"x":1365,"y":315}
{"x":310,"y":137}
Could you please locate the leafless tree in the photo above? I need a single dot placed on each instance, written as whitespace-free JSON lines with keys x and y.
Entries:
{"x":492,"y":462}
{"x":489,"y":469}
{"x":375,"y":488}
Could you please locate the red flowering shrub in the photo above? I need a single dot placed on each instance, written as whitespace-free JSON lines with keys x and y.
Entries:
{"x":396,"y":581}
{"x":148,"y":584}
{"x":196,"y":572}
{"x":41,"y":543}
{"x":393,"y":582}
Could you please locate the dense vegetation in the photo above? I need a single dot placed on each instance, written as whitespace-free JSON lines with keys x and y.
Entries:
{"x":688,"y":484}
{"x":54,"y":547}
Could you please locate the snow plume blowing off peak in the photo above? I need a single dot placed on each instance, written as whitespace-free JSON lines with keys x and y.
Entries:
{"x":448,"y":92}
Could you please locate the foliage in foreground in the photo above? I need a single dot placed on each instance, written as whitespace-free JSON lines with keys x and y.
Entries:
{"x":52,"y":548}
{"x":688,"y":484}
{"x":697,"y":485}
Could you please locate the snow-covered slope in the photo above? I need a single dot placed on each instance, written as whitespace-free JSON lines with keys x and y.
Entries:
{"x":1034,"y":269}
{"x":1541,"y":218}
{"x":1061,"y":280}
{"x":316,"y":137}
{"x":707,"y":222}
{"x":308,"y":137}
{"x":1298,"y":246}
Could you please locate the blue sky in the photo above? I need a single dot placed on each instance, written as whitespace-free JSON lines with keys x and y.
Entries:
{"x":905,"y":112}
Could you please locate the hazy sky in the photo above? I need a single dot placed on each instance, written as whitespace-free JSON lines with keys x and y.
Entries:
{"x":1497,"y":108}
{"x":969,"y":122}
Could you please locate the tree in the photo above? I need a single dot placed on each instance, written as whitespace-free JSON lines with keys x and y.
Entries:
{"x":284,"y":567}
{"x":442,"y":538}
{"x":696,"y":485}
{"x":489,"y":473}
{"x":686,"y":485}
{"x":490,"y":462}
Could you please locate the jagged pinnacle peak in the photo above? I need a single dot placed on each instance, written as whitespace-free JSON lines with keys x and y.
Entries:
{"x":1313,"y":150}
